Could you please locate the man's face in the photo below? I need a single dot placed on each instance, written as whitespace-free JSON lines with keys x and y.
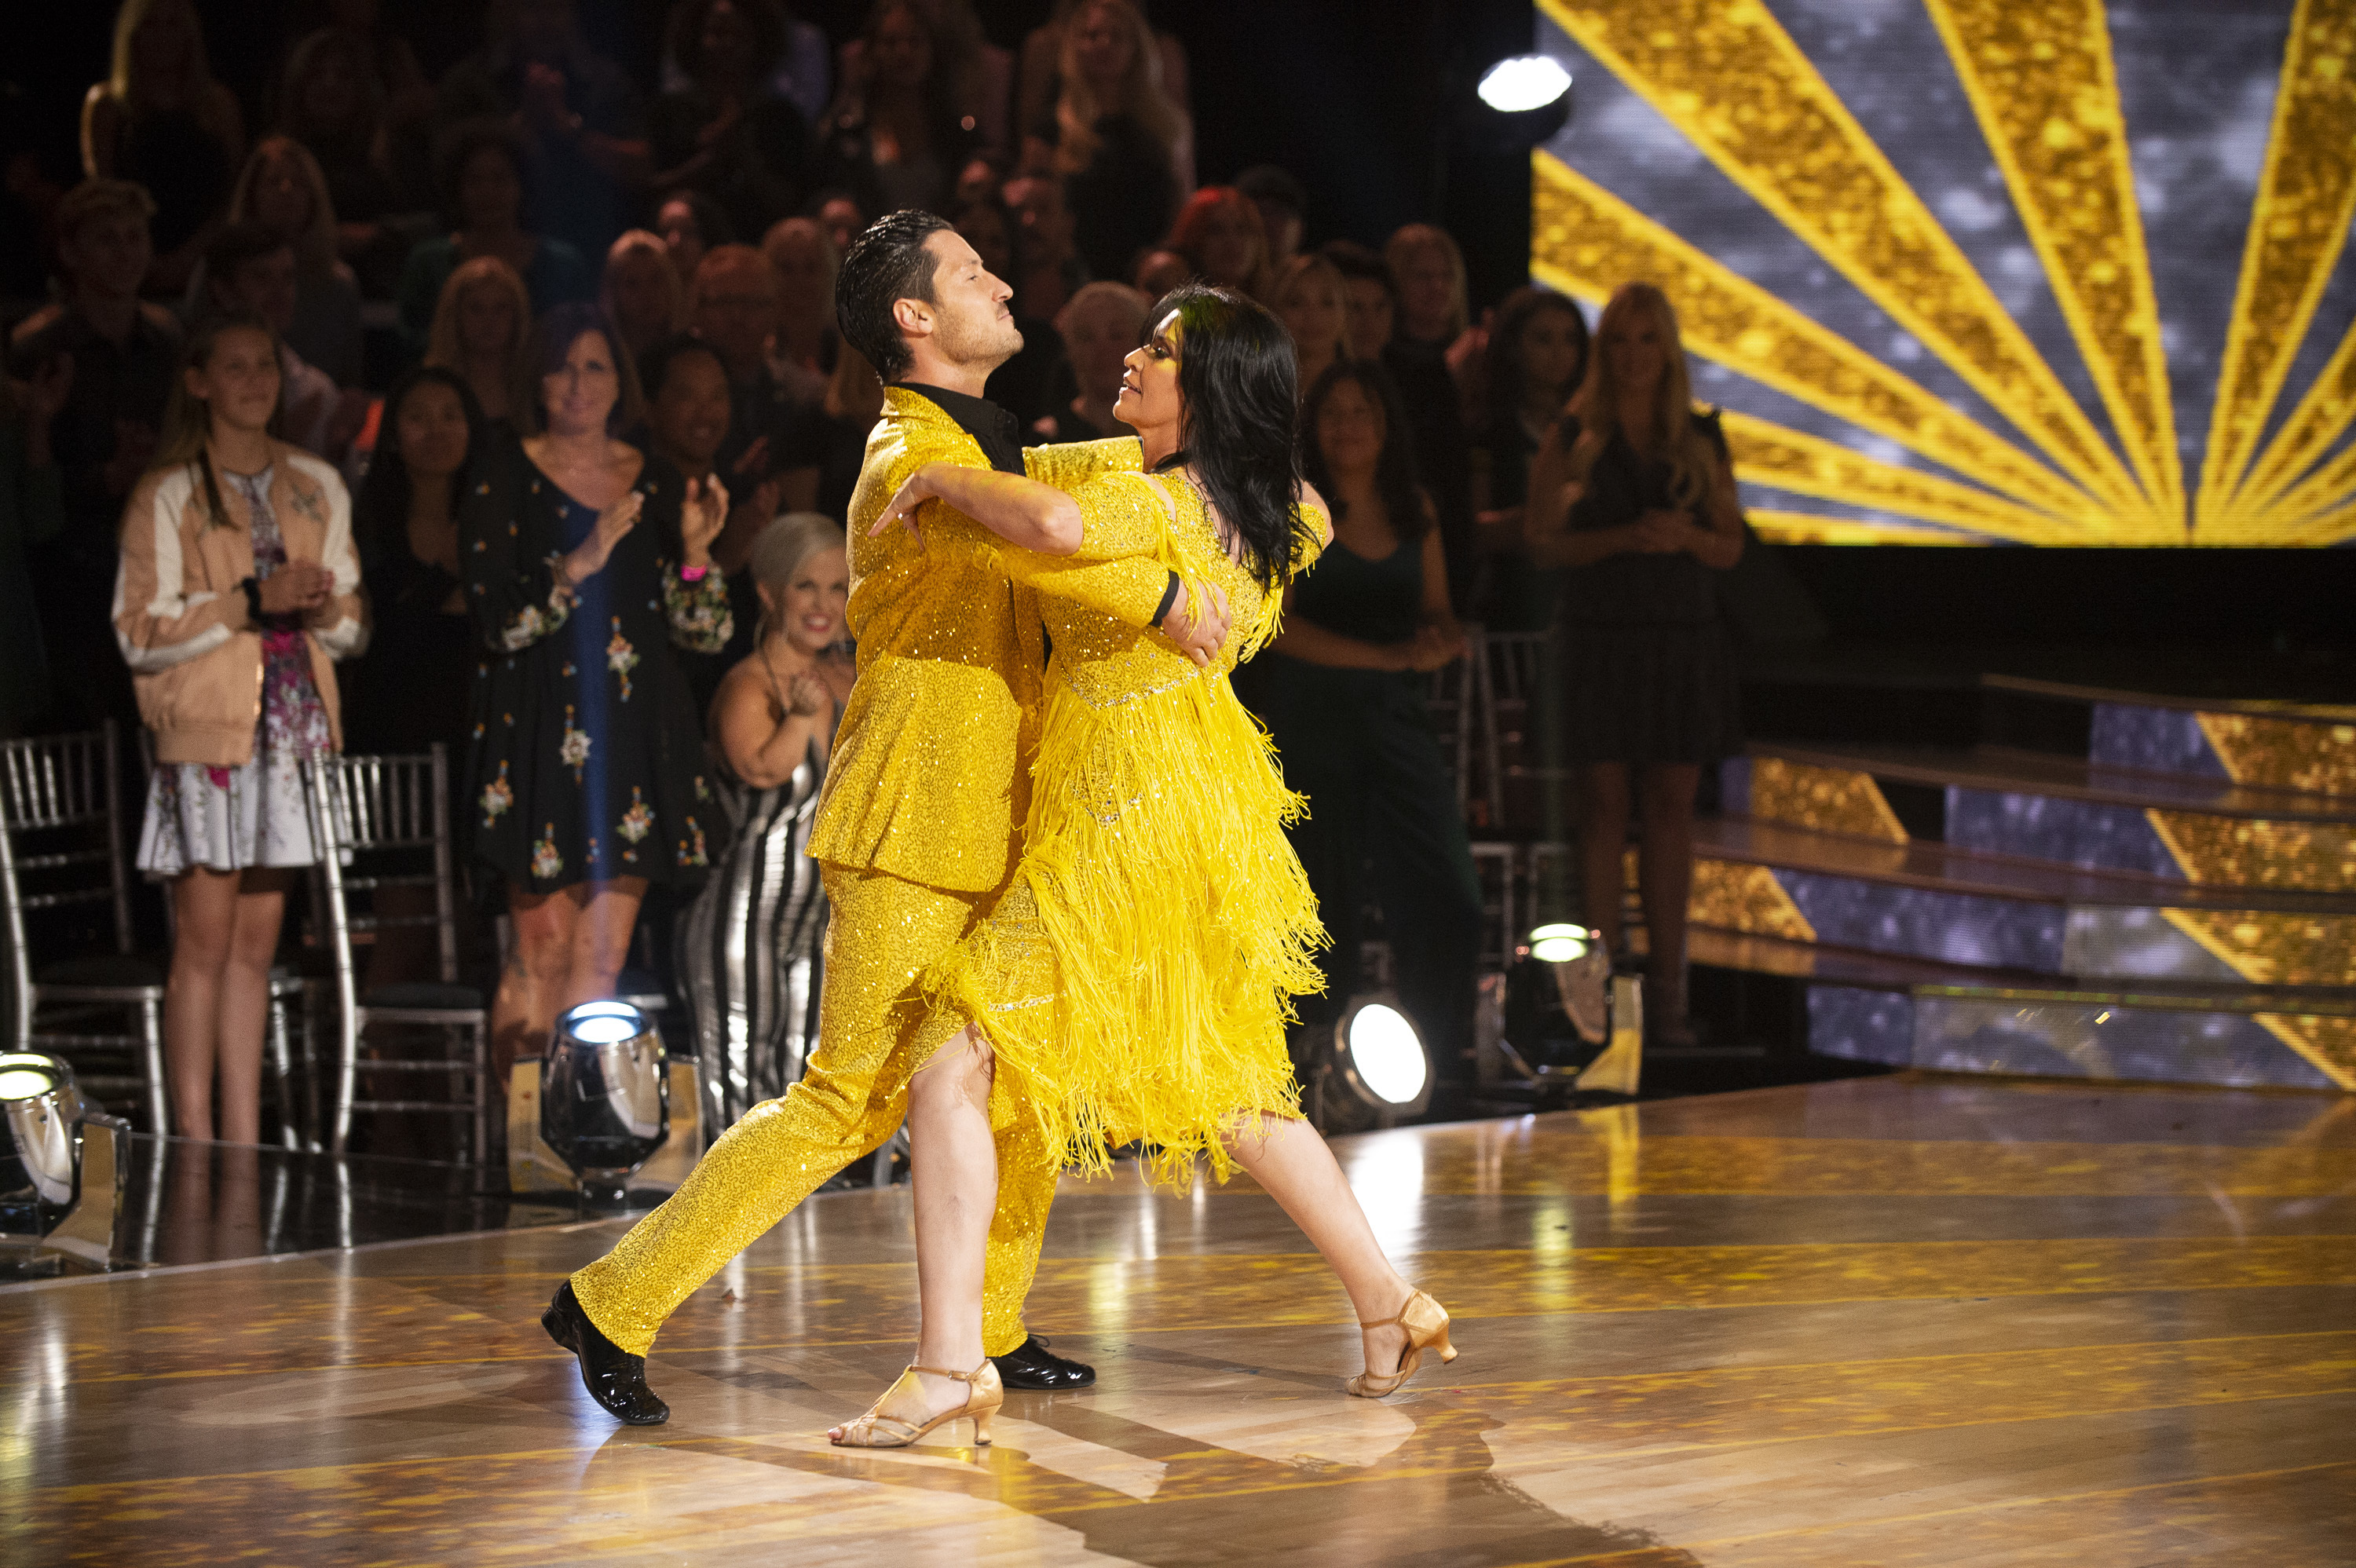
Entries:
{"x":109,"y":255}
{"x":1037,"y":204}
{"x":972,"y":327}
{"x":266,"y":286}
{"x":736,"y":312}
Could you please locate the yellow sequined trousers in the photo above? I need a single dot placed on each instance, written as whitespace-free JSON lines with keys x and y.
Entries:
{"x":874,"y":1035}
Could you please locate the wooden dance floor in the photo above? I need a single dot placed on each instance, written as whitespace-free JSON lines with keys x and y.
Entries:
{"x":1896,"y":1321}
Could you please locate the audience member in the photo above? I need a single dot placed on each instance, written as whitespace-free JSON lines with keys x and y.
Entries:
{"x":749,"y":947}
{"x":1157,"y":272}
{"x":284,"y":189}
{"x":1536,"y":356}
{"x":897,"y":135}
{"x":725,"y":132}
{"x":333,"y":104}
{"x":239,"y":581}
{"x":1040,"y":80}
{"x":1283,"y":210}
{"x":1634,"y":494}
{"x":1343,"y":691}
{"x":802,"y":72}
{"x":480,"y":322}
{"x":824,"y":446}
{"x":1367,"y":290}
{"x":408,"y":96}
{"x":1032,"y":383}
{"x":585,"y":561}
{"x":1122,"y":148}
{"x":733,"y":306}
{"x":484,"y":182}
{"x":32,"y":512}
{"x":641,"y":294}
{"x":250,"y":270}
{"x":1052,"y":267}
{"x":687,"y":394}
{"x":125,"y":356}
{"x":803,"y":260}
{"x":1309,"y":301}
{"x":1428,"y":278}
{"x":839,"y":214}
{"x":983,"y":179}
{"x":692,"y":223}
{"x":1219,"y":234}
{"x":160,"y":120}
{"x":578,"y":112}
{"x":980,"y":76}
{"x":1100,"y":327}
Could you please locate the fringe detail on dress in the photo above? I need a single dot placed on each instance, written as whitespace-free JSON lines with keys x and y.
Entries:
{"x":1138,"y":975}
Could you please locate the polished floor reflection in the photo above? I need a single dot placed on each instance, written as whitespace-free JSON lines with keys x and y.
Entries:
{"x":1901,"y":1320}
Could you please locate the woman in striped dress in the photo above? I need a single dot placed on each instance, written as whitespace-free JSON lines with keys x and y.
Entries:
{"x":749,"y":945}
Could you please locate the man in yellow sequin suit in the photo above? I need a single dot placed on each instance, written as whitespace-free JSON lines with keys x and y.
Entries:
{"x":917,"y":831}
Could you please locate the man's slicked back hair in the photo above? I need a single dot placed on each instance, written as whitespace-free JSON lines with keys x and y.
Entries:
{"x":888,"y":262}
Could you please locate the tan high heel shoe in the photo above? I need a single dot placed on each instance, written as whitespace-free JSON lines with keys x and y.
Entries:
{"x":898,"y":1418}
{"x":1426,"y":1322}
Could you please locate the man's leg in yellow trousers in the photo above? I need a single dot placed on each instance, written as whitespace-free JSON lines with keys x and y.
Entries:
{"x":883,"y":933}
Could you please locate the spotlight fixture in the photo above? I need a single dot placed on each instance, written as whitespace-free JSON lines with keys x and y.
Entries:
{"x":1563,"y":1023}
{"x":60,"y":1170}
{"x":1382,"y":1059}
{"x":604,"y":1104}
{"x":1529,"y":97}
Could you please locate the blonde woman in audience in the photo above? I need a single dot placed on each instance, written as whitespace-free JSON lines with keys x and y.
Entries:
{"x":1314,"y":307}
{"x":640,"y":291}
{"x":161,"y":121}
{"x":1124,"y":150}
{"x":480,"y":325}
{"x":282,"y":188}
{"x":1100,"y":325}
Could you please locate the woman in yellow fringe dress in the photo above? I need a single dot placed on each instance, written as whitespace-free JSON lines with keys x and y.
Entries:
{"x":1133,"y":982}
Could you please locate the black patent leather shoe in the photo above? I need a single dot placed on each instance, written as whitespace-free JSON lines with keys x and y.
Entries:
{"x":616,"y":1379}
{"x":1031,"y":1365}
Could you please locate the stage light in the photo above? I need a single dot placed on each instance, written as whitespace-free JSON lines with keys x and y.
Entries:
{"x":1379,"y":1054}
{"x":1559,"y":943}
{"x":60,"y":1173}
{"x":604,"y":1102}
{"x":1523,"y":82}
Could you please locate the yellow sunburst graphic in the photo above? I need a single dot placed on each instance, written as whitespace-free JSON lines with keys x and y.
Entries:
{"x":2043,"y":84}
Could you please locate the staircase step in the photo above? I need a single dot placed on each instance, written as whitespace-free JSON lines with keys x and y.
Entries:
{"x":2001,"y":770}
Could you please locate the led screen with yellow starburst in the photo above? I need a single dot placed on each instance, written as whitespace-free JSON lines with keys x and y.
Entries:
{"x":1979,"y":272}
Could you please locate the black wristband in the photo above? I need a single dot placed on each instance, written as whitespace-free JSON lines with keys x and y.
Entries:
{"x":252,"y":587}
{"x":1169,"y":598}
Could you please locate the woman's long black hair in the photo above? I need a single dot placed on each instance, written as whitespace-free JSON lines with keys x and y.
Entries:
{"x":380,"y":510}
{"x":1395,"y":475}
{"x":1237,"y":385}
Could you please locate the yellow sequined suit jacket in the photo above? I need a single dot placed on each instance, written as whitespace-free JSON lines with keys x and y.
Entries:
{"x":931,"y":769}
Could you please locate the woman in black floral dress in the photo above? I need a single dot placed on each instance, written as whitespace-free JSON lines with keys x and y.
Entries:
{"x":585,"y":561}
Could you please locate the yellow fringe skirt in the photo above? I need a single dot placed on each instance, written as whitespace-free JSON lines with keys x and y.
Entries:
{"x":1136,"y":978}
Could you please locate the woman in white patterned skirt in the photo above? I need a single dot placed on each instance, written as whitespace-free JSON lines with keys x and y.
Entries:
{"x":238,"y":587}
{"x":748,"y":946}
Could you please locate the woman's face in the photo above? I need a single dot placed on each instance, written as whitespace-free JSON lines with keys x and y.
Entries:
{"x":843,"y":220}
{"x":331,"y":95}
{"x":1311,"y":314}
{"x":727,"y":38}
{"x":675,"y":221}
{"x":430,"y":431}
{"x":641,"y":284}
{"x":282,"y":196}
{"x":1103,"y":332}
{"x":984,"y":228}
{"x":1370,"y":308}
{"x":1350,"y":429}
{"x":239,"y":383}
{"x":1427,"y":286}
{"x":490,"y":193}
{"x":903,"y":50}
{"x":797,"y":253}
{"x":1148,"y":381}
{"x":1552,"y":352}
{"x":808,"y":606}
{"x":690,"y":415}
{"x":1637,"y":351}
{"x":580,"y":394}
{"x":1228,"y":239}
{"x":1103,"y":45}
{"x":487,"y":324}
{"x":165,"y":41}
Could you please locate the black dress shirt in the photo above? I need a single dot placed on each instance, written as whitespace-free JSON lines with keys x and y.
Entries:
{"x":993,"y":429}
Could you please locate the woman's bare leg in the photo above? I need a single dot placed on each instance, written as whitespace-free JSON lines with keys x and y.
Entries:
{"x":244,"y":1002}
{"x":599,"y":941}
{"x":524,"y":1010}
{"x":204,"y":929}
{"x":1287,"y":1157}
{"x":956,"y":1180}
